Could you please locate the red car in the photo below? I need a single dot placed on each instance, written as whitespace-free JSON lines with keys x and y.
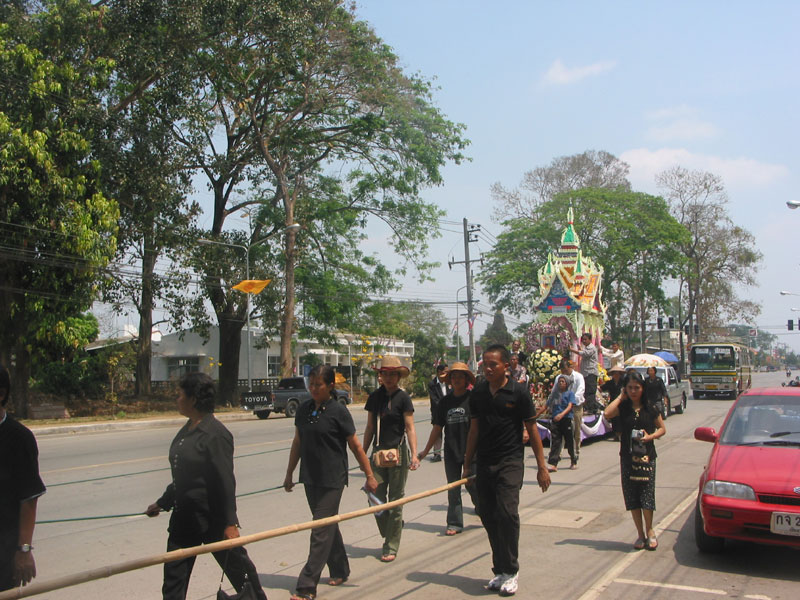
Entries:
{"x":750,"y":489}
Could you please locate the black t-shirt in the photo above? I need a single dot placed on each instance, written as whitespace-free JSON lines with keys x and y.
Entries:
{"x":391,"y":412}
{"x":323,"y":443}
{"x":613,"y":388}
{"x":19,"y":474}
{"x":630,"y":420}
{"x":500,"y":418}
{"x":452,"y":414}
{"x":655,"y":390}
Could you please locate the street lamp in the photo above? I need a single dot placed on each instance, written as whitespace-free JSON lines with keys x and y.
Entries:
{"x":292,"y":227}
{"x":793,"y":204}
{"x":785,"y":293}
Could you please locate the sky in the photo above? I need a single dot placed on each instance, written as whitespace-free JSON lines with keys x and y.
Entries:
{"x":709,"y":86}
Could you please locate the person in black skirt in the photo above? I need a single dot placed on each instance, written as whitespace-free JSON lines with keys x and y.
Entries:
{"x":640,"y":423}
{"x":202,"y":495}
{"x":324,"y":429}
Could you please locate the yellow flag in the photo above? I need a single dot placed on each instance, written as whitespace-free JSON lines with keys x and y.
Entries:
{"x":252,"y":286}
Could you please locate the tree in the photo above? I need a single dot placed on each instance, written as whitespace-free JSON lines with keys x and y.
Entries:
{"x":590,"y":169}
{"x":457,"y":349}
{"x":630,"y":234}
{"x":291,"y":90}
{"x":413,"y":322}
{"x":496,"y":333}
{"x":718,"y":254}
{"x":59,"y":228}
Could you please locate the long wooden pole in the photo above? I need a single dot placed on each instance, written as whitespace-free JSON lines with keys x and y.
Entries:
{"x":149,"y":561}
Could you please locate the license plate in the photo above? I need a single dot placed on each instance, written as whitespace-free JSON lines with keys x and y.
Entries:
{"x":784,"y":523}
{"x":711,"y":387}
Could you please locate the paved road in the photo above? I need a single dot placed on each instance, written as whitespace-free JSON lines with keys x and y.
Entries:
{"x":575,"y":542}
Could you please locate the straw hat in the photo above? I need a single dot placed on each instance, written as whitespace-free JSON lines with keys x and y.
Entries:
{"x":460,"y":366}
{"x":392,"y":363}
{"x":617,"y":369}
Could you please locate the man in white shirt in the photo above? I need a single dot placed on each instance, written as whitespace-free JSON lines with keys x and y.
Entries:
{"x":615,"y":356}
{"x":577,"y":387}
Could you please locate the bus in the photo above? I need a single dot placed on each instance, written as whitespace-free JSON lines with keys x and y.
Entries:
{"x":719,"y":370}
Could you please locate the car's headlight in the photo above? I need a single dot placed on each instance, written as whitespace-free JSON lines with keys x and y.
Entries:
{"x":726,"y":489}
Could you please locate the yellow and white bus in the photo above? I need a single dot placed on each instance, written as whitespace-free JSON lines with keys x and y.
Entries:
{"x":719,"y":369}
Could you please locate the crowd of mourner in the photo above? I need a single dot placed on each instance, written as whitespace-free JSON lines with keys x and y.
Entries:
{"x":481,"y":423}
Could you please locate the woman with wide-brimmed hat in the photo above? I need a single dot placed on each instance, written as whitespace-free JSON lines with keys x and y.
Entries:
{"x":452,"y":416}
{"x":390,"y":422}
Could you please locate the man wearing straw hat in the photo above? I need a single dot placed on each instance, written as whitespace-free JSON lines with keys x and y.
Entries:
{"x":390,"y":422}
{"x":499,"y":407}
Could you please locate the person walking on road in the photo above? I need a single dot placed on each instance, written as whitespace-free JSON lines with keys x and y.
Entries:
{"x":656,"y":391}
{"x":577,"y":387}
{"x":499,"y":408}
{"x":202,"y":495}
{"x":452,"y":417}
{"x":20,"y":488}
{"x":390,"y":423}
{"x":640,"y":424}
{"x":437,"y":390}
{"x":560,"y":404}
{"x":323,"y":429}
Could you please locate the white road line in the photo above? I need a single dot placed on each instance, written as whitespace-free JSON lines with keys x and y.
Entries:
{"x":599,"y":586}
{"x":757,"y":597}
{"x":672,"y":586}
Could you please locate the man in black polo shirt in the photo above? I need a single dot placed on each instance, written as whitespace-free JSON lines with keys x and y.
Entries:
{"x":20,"y":488}
{"x":499,"y":408}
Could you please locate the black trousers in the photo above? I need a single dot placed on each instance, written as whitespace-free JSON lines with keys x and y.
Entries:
{"x":498,"y":497}
{"x":455,"y":509}
{"x":235,"y":562}
{"x":327,"y":545}
{"x":590,"y":395}
{"x":560,"y":434}
{"x":8,"y":548}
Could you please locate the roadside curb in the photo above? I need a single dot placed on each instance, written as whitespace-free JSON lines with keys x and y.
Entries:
{"x":101,"y":426}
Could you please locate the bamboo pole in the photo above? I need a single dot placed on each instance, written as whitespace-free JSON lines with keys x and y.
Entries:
{"x":149,"y":561}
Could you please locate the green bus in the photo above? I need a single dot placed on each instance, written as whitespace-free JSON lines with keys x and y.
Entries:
{"x":719,"y":370}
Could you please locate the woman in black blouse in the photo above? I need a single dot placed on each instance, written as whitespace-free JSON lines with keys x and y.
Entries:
{"x":323,"y":430}
{"x":640,"y":423}
{"x":202,"y":495}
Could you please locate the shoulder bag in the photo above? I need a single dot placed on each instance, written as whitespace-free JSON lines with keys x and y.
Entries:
{"x":389,"y":457}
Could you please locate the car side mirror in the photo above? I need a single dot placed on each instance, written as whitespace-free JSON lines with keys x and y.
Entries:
{"x":706,"y":434}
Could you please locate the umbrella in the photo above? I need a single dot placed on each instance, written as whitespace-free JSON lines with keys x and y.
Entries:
{"x":667,"y":356}
{"x":645,"y":360}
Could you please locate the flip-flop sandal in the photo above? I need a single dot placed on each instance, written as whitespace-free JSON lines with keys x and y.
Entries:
{"x":302,"y":596}
{"x":387,"y":558}
{"x":551,"y":468}
{"x":652,"y":543}
{"x":452,"y":532}
{"x":638,"y":544}
{"x":334,"y":581}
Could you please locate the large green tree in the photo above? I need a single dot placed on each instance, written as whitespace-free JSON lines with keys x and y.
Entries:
{"x":310,"y":104}
{"x":631,"y":234}
{"x":59,"y":228}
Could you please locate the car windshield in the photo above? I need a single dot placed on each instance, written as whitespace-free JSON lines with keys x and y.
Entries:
{"x":764,"y":420}
{"x":712,"y":357}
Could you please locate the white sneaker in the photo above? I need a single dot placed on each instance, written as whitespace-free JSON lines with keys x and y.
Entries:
{"x":496,"y":582}
{"x":510,"y":585}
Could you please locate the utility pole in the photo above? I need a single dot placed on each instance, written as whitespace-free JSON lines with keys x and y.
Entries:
{"x":470,"y":235}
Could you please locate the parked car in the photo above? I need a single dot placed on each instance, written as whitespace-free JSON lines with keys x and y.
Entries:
{"x":750,"y":488}
{"x":285,"y":398}
{"x":678,"y":390}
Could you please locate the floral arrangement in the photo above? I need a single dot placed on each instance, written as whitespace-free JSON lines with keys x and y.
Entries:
{"x":543,"y":366}
{"x":602,"y":375}
{"x":559,"y":336}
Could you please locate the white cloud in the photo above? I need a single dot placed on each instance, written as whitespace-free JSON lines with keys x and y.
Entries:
{"x":679,"y":123}
{"x":560,"y":74}
{"x":646,"y":163}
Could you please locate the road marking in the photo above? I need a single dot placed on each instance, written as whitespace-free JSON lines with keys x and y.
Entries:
{"x":138,"y":460}
{"x":672,"y":586}
{"x":757,"y":597}
{"x":599,"y":586}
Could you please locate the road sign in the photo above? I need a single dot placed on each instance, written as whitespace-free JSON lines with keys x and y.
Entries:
{"x":754,"y":333}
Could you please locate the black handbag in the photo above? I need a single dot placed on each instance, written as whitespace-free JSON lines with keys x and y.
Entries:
{"x":247,"y":593}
